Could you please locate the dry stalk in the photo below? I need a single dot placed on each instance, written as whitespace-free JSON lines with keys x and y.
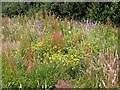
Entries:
{"x":109,"y":61}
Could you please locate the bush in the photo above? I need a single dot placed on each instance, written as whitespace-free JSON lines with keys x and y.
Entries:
{"x":76,"y":10}
{"x":100,"y":11}
{"x":12,"y":9}
{"x":95,"y":11}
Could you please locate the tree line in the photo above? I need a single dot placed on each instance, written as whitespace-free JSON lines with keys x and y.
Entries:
{"x":92,"y":11}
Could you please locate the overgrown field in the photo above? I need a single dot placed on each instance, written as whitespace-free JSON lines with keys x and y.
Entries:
{"x":48,"y":52}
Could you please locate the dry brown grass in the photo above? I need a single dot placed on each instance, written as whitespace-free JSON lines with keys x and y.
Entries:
{"x":11,"y":45}
{"x":29,"y":58}
{"x":109,"y":61}
{"x":58,"y":39}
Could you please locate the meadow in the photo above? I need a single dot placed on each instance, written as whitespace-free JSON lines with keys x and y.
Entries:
{"x":45,"y":51}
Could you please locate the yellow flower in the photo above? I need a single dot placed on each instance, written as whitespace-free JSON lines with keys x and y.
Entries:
{"x":75,"y":55}
{"x":62,"y":61}
{"x":71,"y":56}
{"x":50,"y":58}
{"x":60,"y":58}
{"x":38,"y":56}
{"x":76,"y":59}
{"x":58,"y":51}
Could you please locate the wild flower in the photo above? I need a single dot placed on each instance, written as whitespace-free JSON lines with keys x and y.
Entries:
{"x":39,"y":23}
{"x":90,"y":25}
{"x":75,"y":22}
{"x":58,"y":51}
{"x":69,"y":32}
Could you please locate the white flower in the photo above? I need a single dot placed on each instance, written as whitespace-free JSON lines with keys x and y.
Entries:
{"x":69,"y":32}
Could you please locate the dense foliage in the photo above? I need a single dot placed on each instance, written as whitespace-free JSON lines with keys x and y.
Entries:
{"x":60,"y":44}
{"x":76,"y":10}
{"x":100,"y":11}
{"x":47,"y":52}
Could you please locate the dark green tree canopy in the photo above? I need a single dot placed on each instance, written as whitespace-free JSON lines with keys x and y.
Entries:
{"x":93,"y":11}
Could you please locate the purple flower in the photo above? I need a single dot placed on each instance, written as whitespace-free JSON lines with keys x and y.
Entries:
{"x":75,"y":22}
{"x":39,"y":23}
{"x":82,"y":24}
{"x":90,"y":24}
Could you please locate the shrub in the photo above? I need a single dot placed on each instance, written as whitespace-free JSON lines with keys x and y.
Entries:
{"x":100,"y":11}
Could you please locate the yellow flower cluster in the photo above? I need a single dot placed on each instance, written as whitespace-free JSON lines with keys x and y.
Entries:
{"x":65,"y":60}
{"x":57,"y":58}
{"x":37,"y":45}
